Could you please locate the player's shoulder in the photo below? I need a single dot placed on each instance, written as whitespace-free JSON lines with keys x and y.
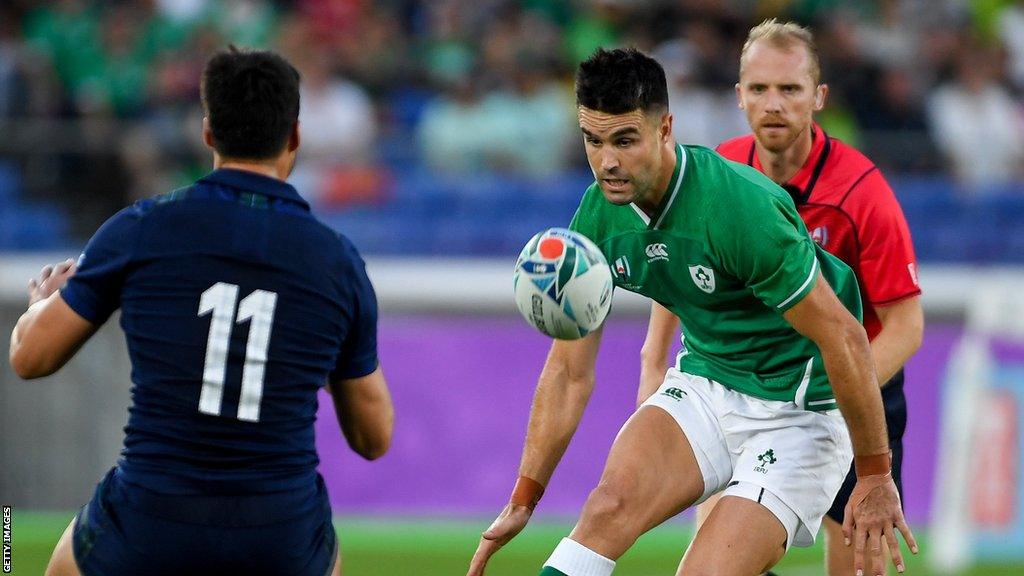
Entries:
{"x":723,"y":179}
{"x":721,"y":191}
{"x":593,"y":214}
{"x":134,"y":214}
{"x":737,"y":149}
{"x":343,"y":246}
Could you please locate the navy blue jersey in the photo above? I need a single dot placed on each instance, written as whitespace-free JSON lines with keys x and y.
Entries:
{"x":237,"y":305}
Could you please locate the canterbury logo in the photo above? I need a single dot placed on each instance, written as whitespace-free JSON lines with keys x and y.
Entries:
{"x":656,"y":252}
{"x":674,"y":393}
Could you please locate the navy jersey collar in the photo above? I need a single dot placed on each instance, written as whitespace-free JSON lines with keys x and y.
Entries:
{"x":255,"y":183}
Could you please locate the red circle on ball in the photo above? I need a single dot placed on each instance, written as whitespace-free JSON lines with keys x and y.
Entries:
{"x":551,"y":248}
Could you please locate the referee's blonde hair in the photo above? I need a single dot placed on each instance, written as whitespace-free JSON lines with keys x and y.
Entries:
{"x":784,"y":35}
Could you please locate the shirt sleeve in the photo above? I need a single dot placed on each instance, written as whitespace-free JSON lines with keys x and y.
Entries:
{"x":762,"y":242}
{"x":94,"y":292}
{"x":888,"y":267}
{"x":358,"y":354}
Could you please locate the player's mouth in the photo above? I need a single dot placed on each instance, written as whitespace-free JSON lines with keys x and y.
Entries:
{"x":615,"y":184}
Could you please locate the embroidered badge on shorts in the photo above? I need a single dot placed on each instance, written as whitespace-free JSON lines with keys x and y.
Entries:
{"x":765,"y":459}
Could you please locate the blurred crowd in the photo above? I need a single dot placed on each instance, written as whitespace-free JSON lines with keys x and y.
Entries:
{"x":100,"y":98}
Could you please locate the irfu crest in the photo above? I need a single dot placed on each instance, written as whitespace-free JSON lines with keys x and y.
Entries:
{"x":703,"y":277}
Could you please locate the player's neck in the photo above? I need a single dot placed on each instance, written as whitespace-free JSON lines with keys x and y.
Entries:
{"x":783,"y":165}
{"x":271,"y":169}
{"x":650,"y":203}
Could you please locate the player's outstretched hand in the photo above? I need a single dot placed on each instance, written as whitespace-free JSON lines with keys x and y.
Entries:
{"x":51,"y":278}
{"x":510,"y":522}
{"x":872,"y":516}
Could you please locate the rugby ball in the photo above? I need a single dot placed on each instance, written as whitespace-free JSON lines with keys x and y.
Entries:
{"x":562,"y":284}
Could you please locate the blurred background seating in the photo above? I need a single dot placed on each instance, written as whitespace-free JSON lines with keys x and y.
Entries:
{"x":447,"y":128}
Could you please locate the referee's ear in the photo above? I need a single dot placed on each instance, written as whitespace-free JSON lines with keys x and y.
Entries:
{"x":820,"y":95}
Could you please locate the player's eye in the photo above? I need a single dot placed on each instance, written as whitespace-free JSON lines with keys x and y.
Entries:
{"x":625,"y":142}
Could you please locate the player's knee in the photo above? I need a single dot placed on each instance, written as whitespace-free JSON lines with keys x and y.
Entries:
{"x":609,"y":503}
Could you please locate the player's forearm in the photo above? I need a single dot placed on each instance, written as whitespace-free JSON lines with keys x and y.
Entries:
{"x":654,"y":354}
{"x":848,"y":362}
{"x":365,"y":413}
{"x":652,"y":374}
{"x":558,"y":405}
{"x":26,"y":361}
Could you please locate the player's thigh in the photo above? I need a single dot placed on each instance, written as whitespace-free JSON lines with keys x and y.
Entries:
{"x":740,"y":537}
{"x":704,"y":509}
{"x":62,"y":563}
{"x":839,"y":556}
{"x":651,"y":474}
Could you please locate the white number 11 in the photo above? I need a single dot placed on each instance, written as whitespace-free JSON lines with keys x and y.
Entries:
{"x":258,"y":309}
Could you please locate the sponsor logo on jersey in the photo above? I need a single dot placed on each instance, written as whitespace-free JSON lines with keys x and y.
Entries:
{"x":622,"y":267}
{"x":656,"y":251}
{"x":912,"y":268}
{"x":765,"y":459}
{"x":820,"y":235}
{"x":703,"y":277}
{"x":674,"y":393}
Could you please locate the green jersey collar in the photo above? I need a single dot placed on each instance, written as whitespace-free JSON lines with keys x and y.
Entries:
{"x":674,"y":183}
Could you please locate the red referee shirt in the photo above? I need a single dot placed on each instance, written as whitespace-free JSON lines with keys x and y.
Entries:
{"x":850,"y":211}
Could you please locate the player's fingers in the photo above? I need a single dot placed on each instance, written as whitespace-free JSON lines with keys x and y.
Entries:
{"x":484,"y":551}
{"x":894,"y":549}
{"x":907,"y":534}
{"x":65,"y":269}
{"x":859,"y":541}
{"x":876,"y":562}
{"x":33,"y":284}
{"x":498,"y":529}
{"x":847,"y":524}
{"x":45,"y":273}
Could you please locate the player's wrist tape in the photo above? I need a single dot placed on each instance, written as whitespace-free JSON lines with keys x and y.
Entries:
{"x":864,"y":486}
{"x":527,"y":492}
{"x":874,"y":465}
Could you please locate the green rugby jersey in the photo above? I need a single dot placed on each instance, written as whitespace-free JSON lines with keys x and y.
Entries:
{"x":727,"y":253}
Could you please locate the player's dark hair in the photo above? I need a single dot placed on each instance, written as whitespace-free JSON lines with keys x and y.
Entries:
{"x":251,"y":98}
{"x":621,"y":80}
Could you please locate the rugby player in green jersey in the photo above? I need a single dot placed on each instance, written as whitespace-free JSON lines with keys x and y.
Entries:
{"x":773,"y":351}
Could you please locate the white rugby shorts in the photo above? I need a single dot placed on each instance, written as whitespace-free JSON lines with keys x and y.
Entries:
{"x":791,"y":460}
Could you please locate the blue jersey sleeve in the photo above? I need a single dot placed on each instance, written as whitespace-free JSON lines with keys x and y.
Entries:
{"x":358,"y":354}
{"x":94,"y":292}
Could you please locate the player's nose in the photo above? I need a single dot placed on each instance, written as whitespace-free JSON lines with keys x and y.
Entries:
{"x":609,"y":162}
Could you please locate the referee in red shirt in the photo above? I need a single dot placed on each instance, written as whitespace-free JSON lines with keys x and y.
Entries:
{"x":849,"y":210}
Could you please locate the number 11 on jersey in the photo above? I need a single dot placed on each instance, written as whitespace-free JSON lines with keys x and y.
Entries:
{"x":257,"y":308}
